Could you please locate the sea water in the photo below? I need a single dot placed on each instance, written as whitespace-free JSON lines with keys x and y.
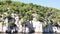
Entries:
{"x":29,"y":33}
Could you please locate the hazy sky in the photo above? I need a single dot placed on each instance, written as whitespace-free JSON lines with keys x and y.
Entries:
{"x":49,"y":3}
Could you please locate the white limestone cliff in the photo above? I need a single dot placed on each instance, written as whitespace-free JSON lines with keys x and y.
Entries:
{"x":31,"y":25}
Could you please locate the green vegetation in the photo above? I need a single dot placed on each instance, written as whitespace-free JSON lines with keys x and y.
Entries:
{"x":25,"y":11}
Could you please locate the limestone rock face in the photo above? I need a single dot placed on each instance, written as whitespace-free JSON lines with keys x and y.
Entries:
{"x":30,"y":26}
{"x":20,"y":28}
{"x":56,"y":29}
{"x":37,"y":25}
{"x":27,"y":29}
{"x":0,"y":27}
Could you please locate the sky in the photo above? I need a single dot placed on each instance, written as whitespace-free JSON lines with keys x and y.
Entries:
{"x":48,"y":3}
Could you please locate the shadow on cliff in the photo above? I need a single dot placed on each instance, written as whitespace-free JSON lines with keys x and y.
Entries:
{"x":49,"y":28}
{"x":30,"y":27}
{"x":11,"y":25}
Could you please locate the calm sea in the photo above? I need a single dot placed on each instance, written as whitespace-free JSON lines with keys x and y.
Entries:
{"x":29,"y":33}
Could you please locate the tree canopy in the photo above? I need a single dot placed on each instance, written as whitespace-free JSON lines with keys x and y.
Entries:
{"x":25,"y":11}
